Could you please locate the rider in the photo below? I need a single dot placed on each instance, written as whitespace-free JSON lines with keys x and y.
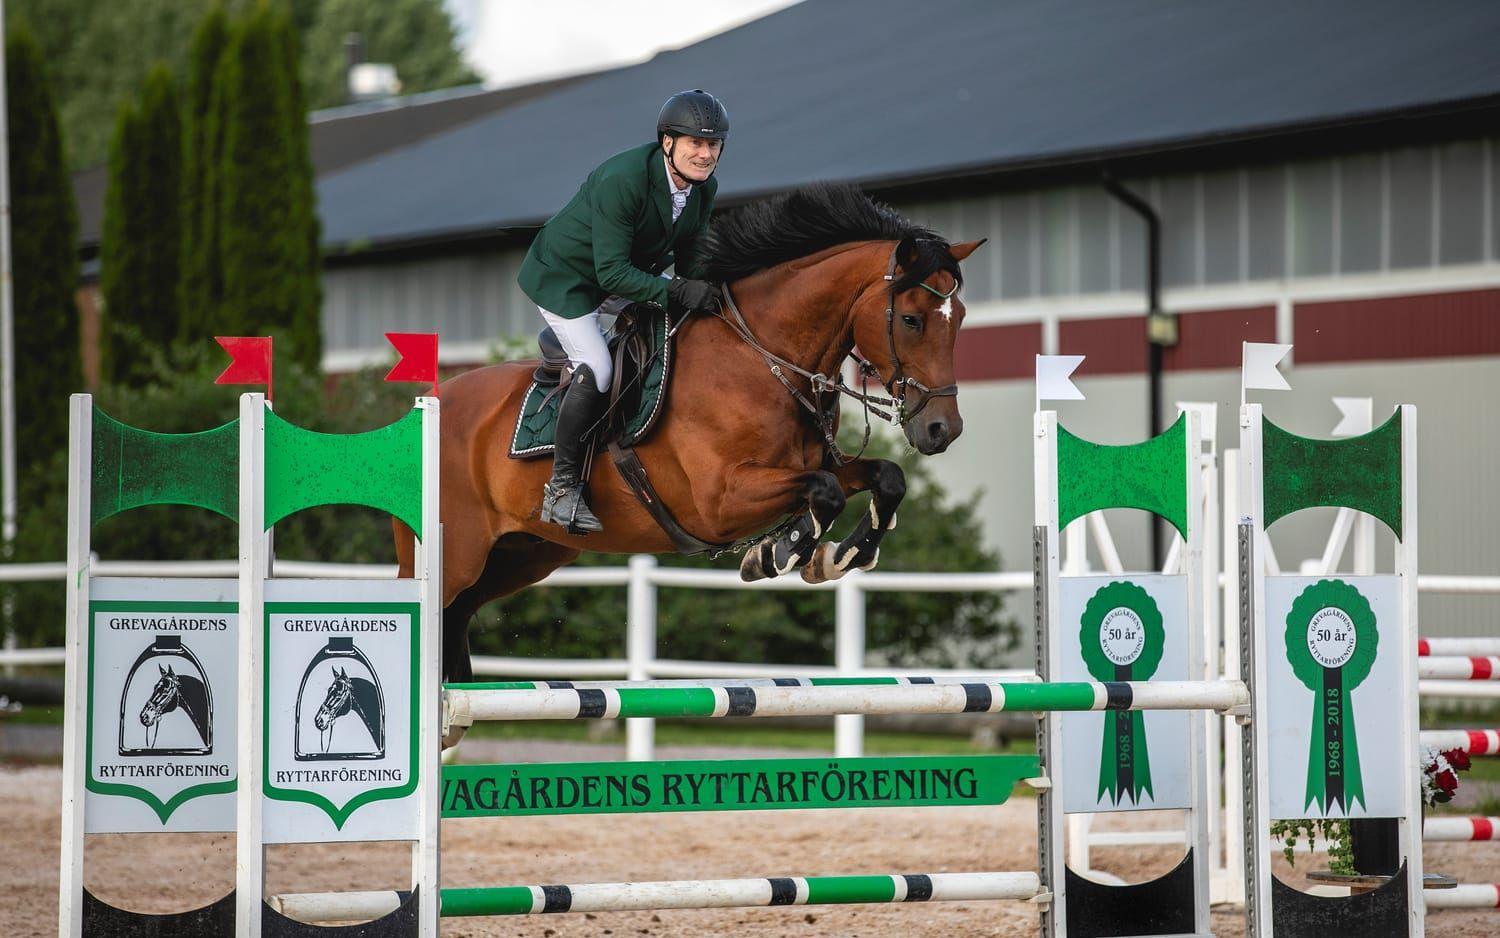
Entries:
{"x":619,"y":232}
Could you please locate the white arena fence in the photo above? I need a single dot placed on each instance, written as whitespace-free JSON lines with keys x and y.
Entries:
{"x":642,"y":577}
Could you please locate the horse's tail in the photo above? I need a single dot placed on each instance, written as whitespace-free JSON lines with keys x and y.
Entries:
{"x":406,"y":548}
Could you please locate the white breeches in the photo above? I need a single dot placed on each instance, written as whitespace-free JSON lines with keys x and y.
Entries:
{"x":582,"y":339}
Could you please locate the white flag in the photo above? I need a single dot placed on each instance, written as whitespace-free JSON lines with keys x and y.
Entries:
{"x":1356,"y":415}
{"x":1260,"y":363}
{"x":1053,"y":378}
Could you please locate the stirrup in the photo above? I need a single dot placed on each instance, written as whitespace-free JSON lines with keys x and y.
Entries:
{"x":563,"y":504}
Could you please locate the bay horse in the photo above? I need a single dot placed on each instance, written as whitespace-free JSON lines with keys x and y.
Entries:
{"x":813,"y":273}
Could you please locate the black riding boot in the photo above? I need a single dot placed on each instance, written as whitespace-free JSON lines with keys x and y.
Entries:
{"x":562,"y":498}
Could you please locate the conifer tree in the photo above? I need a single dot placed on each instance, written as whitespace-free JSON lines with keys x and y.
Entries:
{"x":44,"y":256}
{"x":141,"y":245}
{"x":202,"y":287}
{"x":268,"y":232}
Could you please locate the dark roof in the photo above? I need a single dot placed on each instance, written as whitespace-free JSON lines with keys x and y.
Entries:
{"x":882,"y":92}
{"x":342,"y":136}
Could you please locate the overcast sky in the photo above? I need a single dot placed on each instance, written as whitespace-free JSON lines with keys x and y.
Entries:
{"x":511,"y":42}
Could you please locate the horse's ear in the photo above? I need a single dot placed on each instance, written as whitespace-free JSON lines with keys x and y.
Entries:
{"x":906,"y":253}
{"x":162,"y":670}
{"x":961,"y":251}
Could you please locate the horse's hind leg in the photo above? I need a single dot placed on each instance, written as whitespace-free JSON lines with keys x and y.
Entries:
{"x":794,"y":547}
{"x":861,"y":549}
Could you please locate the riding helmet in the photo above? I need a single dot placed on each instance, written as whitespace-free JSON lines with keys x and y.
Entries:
{"x":693,"y":113}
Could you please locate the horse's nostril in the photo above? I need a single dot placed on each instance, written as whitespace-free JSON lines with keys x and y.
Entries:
{"x":937,"y":429}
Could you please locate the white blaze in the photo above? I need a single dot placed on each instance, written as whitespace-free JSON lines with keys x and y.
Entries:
{"x":947,"y":308}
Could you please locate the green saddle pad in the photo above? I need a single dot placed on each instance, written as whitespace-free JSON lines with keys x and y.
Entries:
{"x":641,"y":398}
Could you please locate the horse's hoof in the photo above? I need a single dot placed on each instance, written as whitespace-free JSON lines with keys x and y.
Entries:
{"x":452,"y":737}
{"x":873,"y":561}
{"x":752,"y":565}
{"x":822,"y":567}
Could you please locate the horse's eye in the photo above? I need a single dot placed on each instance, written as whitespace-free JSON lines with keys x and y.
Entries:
{"x":914,"y":323}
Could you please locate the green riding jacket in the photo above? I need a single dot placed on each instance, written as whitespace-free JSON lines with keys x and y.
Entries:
{"x":615,"y":237}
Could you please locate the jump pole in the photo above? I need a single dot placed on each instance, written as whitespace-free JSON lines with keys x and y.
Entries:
{"x":679,"y":894}
{"x":1461,"y":829}
{"x":464,"y":707}
{"x":1472,"y":742}
{"x":1439,"y":647}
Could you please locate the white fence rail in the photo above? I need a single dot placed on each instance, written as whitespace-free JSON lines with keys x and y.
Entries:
{"x":642,"y":577}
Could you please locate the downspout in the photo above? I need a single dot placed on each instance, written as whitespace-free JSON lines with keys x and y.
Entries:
{"x":1161,"y":327}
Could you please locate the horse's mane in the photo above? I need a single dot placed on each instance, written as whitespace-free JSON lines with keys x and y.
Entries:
{"x":811,"y":219}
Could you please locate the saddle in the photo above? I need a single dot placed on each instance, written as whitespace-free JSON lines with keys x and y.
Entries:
{"x":640,"y":344}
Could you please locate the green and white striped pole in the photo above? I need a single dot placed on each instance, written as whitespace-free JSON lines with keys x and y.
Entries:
{"x":464,"y":707}
{"x":678,"y":894}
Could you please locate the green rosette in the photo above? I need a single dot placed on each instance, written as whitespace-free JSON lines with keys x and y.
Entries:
{"x":1122,"y":639}
{"x":1331,"y":644}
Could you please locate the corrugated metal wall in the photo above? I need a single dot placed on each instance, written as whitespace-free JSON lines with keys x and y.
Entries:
{"x":466,"y":297}
{"x":1407,"y":209}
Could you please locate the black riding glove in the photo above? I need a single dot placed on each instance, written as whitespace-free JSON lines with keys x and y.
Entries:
{"x":696,"y":295}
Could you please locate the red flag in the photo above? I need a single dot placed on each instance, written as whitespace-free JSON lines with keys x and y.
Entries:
{"x":419,"y":357}
{"x":250,"y":360}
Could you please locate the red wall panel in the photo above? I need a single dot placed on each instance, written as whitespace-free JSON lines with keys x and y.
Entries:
{"x":997,"y":353}
{"x":1114,"y":346}
{"x":1211,"y":339}
{"x":1438,"y":325}
{"x":1435,"y":325}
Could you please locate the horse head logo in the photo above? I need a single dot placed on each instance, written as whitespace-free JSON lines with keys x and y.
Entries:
{"x":172,"y":692}
{"x":345,"y":695}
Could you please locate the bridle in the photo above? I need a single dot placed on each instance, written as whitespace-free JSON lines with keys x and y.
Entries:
{"x":826,"y":390}
{"x":900,"y":382}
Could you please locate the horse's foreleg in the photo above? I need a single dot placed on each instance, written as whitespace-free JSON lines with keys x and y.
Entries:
{"x":861,"y":549}
{"x":793,"y":547}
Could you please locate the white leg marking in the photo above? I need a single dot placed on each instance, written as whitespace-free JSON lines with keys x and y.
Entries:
{"x":843,"y":564}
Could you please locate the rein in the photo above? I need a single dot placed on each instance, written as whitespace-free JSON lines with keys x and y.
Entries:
{"x":823,"y":404}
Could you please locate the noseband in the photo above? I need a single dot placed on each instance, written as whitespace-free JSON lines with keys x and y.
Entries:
{"x":823,"y":405}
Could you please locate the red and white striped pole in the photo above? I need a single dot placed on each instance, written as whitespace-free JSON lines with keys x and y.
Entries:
{"x":1461,"y":829}
{"x":1473,"y":742}
{"x":1465,"y":896}
{"x":1433,"y":647}
{"x":1459,"y":669}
